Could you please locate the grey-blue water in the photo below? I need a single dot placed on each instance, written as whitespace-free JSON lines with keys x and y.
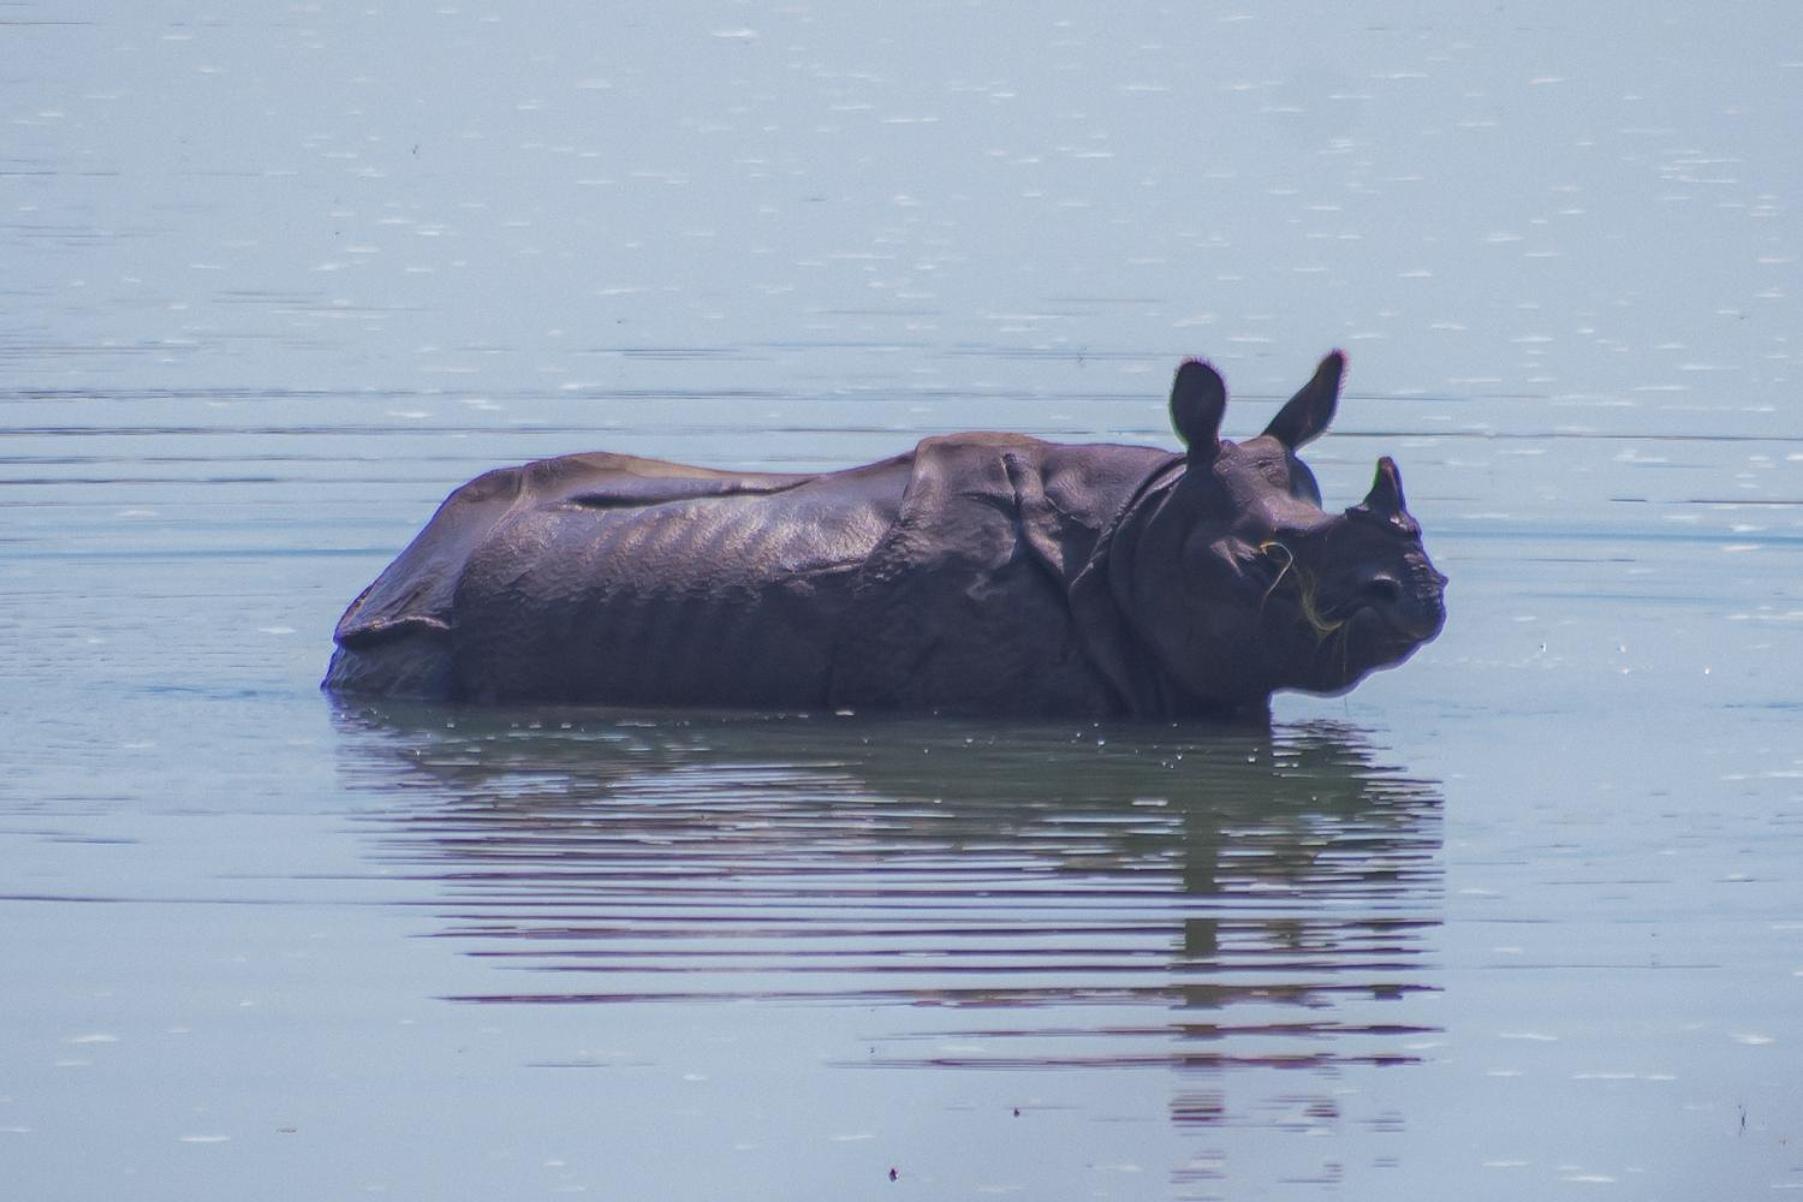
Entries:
{"x":1523,"y":918}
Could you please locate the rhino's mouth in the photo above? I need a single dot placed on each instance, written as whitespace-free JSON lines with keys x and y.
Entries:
{"x":1385,"y":628}
{"x":1347,"y":634}
{"x":1360,"y":639}
{"x":1388,"y":607}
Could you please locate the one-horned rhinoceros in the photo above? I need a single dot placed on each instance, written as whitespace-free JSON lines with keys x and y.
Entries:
{"x":977,"y":573}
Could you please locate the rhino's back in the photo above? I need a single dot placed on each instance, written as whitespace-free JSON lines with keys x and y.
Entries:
{"x":413,"y":594}
{"x":669,"y":586}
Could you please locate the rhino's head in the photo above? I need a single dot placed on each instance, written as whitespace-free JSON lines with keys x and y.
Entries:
{"x":1240,"y":584}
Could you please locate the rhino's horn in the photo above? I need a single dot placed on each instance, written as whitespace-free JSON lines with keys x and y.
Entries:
{"x":1306,"y":414}
{"x":1385,"y":499}
{"x":1198,"y":402}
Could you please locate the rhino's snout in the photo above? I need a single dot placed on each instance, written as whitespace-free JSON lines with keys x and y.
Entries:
{"x":1411,"y":603}
{"x":1422,"y":618}
{"x":1381,"y":589}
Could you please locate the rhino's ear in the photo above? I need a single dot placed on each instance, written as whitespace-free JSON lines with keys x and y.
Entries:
{"x":1307,"y":413}
{"x":1198,"y":401}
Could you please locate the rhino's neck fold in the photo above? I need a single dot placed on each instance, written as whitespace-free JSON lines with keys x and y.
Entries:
{"x":1101,"y":605}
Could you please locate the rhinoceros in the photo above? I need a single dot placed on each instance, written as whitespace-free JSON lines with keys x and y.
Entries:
{"x":979,"y":573}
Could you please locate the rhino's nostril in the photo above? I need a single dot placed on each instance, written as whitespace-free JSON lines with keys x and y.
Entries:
{"x":1382,"y":590}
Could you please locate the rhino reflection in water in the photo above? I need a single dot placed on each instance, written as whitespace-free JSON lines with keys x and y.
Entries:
{"x":1198,"y":898}
{"x":979,"y":573}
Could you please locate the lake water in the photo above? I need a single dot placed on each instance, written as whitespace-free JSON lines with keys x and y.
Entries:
{"x":1523,"y":918}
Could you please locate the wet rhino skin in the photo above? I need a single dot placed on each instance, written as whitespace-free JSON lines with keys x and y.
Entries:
{"x":978,"y":573}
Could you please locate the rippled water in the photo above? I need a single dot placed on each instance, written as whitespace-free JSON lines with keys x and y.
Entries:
{"x":1522,"y":918}
{"x":923,"y":862}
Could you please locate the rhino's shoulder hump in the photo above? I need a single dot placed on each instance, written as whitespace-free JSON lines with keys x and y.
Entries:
{"x":983,"y":438}
{"x":1105,"y":469}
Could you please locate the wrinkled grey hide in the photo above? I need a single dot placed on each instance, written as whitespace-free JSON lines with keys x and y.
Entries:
{"x":978,"y":573}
